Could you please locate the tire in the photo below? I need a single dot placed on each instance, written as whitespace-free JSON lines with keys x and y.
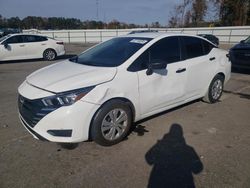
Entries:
{"x":111,"y":123}
{"x":49,"y":55}
{"x":215,"y":90}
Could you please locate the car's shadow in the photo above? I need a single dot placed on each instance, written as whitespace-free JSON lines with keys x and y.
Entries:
{"x":38,"y":60}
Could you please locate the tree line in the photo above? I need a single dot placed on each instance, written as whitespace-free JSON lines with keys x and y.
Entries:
{"x":193,"y":13}
{"x":35,"y":22}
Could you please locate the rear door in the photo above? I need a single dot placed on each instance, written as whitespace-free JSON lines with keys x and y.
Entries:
{"x":35,"y":46}
{"x":201,"y":64}
{"x":14,"y":48}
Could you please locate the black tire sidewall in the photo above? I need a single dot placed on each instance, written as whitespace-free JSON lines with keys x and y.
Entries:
{"x":95,"y":129}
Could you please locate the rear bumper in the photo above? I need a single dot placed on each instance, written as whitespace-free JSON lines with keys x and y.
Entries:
{"x":60,"y":53}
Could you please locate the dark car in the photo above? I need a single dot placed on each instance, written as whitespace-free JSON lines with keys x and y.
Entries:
{"x":142,"y":31}
{"x":211,"y":38}
{"x":240,"y":54}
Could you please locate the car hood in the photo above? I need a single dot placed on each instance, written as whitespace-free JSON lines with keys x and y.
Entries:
{"x":241,"y":46}
{"x":66,"y":76}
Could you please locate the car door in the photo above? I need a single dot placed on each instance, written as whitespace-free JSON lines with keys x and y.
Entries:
{"x":200,"y":64}
{"x":166,"y":86}
{"x":34,"y":46}
{"x":13,"y":48}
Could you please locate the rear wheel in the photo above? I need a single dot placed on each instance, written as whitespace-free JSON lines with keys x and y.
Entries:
{"x":215,"y":89}
{"x":49,"y":55}
{"x":111,"y":123}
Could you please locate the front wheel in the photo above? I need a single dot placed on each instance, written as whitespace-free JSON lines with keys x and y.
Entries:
{"x":215,"y":90}
{"x":111,"y":123}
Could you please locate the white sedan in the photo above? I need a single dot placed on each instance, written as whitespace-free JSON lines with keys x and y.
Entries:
{"x":101,"y":92}
{"x":27,"y":46}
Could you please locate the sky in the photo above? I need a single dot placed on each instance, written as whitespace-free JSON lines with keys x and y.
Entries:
{"x":130,"y":11}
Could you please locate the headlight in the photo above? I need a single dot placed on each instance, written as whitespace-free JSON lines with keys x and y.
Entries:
{"x":66,"y":98}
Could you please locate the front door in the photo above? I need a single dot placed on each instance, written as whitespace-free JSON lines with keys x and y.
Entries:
{"x":166,"y":86}
{"x":14,"y":48}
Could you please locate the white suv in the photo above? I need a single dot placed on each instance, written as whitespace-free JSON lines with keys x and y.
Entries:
{"x":100,"y":93}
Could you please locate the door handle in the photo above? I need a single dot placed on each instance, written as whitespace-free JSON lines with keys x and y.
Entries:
{"x":22,"y":45}
{"x":181,"y":70}
{"x":212,"y":58}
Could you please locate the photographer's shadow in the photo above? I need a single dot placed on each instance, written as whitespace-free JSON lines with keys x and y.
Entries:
{"x":174,"y":162}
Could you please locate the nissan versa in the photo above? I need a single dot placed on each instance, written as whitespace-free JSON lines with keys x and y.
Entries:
{"x":98,"y":94}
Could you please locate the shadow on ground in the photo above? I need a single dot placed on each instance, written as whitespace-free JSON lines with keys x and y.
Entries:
{"x":174,"y":162}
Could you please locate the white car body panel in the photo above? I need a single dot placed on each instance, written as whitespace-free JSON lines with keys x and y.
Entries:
{"x":66,"y":76}
{"x":162,"y":90}
{"x":14,"y":51}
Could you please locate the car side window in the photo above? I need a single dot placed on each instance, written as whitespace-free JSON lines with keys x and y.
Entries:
{"x":29,"y":38}
{"x":40,"y":38}
{"x":167,"y":50}
{"x":193,"y":47}
{"x":14,"y":40}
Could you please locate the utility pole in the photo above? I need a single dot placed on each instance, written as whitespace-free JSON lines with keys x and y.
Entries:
{"x":97,"y":10}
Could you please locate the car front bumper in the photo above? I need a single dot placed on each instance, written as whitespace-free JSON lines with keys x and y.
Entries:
{"x":69,"y":124}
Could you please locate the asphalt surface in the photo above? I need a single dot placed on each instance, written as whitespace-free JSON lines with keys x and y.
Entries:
{"x":198,"y":144}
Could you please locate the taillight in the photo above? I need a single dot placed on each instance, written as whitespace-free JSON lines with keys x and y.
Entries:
{"x":61,"y":43}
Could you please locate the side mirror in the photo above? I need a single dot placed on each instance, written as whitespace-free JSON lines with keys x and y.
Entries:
{"x":156,"y":64}
{"x":242,"y":41}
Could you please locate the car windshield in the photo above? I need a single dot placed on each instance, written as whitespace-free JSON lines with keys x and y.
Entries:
{"x":247,"y":40}
{"x":111,"y":53}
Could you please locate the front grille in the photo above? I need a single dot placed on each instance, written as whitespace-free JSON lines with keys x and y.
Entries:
{"x":32,"y":111}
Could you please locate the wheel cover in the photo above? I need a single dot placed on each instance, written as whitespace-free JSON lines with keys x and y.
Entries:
{"x":114,"y":124}
{"x":50,"y":55}
{"x":217,"y":89}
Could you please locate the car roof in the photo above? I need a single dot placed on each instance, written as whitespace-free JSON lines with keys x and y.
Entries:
{"x":16,"y":34}
{"x":154,"y":35}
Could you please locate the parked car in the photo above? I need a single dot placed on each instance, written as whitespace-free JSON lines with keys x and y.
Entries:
{"x":6,"y":31}
{"x":240,"y":54}
{"x":211,"y":38}
{"x":142,"y":31}
{"x":101,"y":92}
{"x":27,"y":46}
